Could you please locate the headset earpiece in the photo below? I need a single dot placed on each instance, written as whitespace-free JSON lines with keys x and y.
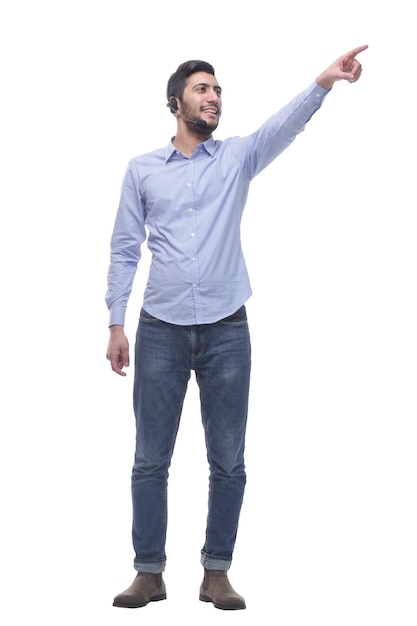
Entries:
{"x":172,"y":104}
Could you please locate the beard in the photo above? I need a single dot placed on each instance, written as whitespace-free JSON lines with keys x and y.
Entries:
{"x":201,"y":131}
{"x":190,"y":121}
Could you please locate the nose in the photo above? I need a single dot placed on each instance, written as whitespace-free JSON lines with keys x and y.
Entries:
{"x":214,"y":96}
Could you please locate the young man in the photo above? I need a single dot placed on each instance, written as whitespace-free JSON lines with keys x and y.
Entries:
{"x":190,"y":195}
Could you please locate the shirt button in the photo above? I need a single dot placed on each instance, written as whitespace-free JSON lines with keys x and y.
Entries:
{"x":188,"y":184}
{"x":190,"y":210}
{"x":192,"y":234}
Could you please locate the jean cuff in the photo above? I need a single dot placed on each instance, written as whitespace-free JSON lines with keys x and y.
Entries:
{"x":149,"y":568}
{"x":213,"y":563}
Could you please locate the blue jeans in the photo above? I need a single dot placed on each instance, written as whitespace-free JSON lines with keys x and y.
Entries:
{"x":165,"y":354}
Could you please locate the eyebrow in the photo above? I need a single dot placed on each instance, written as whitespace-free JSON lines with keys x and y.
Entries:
{"x":217,"y":87}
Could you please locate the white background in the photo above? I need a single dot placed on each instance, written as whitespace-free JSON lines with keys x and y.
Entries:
{"x":327,"y":533}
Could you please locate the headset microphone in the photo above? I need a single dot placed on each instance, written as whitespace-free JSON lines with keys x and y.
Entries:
{"x":199,"y":123}
{"x":173,"y":107}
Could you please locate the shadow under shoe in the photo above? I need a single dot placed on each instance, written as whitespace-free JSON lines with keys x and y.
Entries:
{"x":144,"y":589}
{"x":217,"y":589}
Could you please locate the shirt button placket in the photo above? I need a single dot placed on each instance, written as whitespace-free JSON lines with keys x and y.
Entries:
{"x":193,"y":241}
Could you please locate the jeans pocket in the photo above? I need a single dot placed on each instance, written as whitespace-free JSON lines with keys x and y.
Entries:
{"x":147,"y":317}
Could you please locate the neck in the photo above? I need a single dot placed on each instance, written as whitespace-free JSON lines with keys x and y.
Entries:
{"x":186,"y":140}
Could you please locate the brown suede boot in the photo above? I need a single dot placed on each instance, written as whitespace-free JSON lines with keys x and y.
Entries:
{"x":145,"y":588}
{"x":216,"y":588}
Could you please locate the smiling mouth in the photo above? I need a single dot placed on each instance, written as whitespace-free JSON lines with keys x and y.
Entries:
{"x":211,"y":110}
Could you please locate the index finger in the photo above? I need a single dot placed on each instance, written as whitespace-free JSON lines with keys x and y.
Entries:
{"x":356,"y":51}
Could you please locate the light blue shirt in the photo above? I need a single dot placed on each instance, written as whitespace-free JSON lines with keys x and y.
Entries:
{"x":190,"y":210}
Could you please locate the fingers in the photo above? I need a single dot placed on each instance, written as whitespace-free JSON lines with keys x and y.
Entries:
{"x":346,"y":67}
{"x":355,"y":75}
{"x":352,"y":69}
{"x":353,"y":53}
{"x":118,"y":364}
{"x":348,"y":61}
{"x":118,"y":350}
{"x":118,"y":360}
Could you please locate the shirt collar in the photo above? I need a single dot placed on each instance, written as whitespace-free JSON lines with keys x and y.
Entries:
{"x":209,"y":145}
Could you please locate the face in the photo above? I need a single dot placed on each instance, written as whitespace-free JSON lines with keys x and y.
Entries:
{"x":201,"y":100}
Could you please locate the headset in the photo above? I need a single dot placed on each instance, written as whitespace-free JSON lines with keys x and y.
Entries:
{"x":173,"y":107}
{"x":172,"y":104}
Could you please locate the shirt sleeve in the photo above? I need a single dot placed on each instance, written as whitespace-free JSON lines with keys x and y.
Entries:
{"x":280,"y":130}
{"x":125,"y":249}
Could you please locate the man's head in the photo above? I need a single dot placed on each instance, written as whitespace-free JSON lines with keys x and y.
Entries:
{"x":194,"y":95}
{"x":177,"y":80}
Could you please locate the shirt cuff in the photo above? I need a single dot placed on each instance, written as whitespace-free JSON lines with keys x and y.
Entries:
{"x":320,"y":91}
{"x":117,"y":316}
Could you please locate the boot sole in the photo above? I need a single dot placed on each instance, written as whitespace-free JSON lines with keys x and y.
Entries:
{"x":204,"y":598}
{"x":121,"y":605}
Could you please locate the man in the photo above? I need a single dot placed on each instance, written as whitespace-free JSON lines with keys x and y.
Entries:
{"x":190,"y":197}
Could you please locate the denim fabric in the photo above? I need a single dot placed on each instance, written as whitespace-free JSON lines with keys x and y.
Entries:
{"x":165,"y":355}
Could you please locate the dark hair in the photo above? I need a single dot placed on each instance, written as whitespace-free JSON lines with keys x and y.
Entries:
{"x":176,"y":82}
